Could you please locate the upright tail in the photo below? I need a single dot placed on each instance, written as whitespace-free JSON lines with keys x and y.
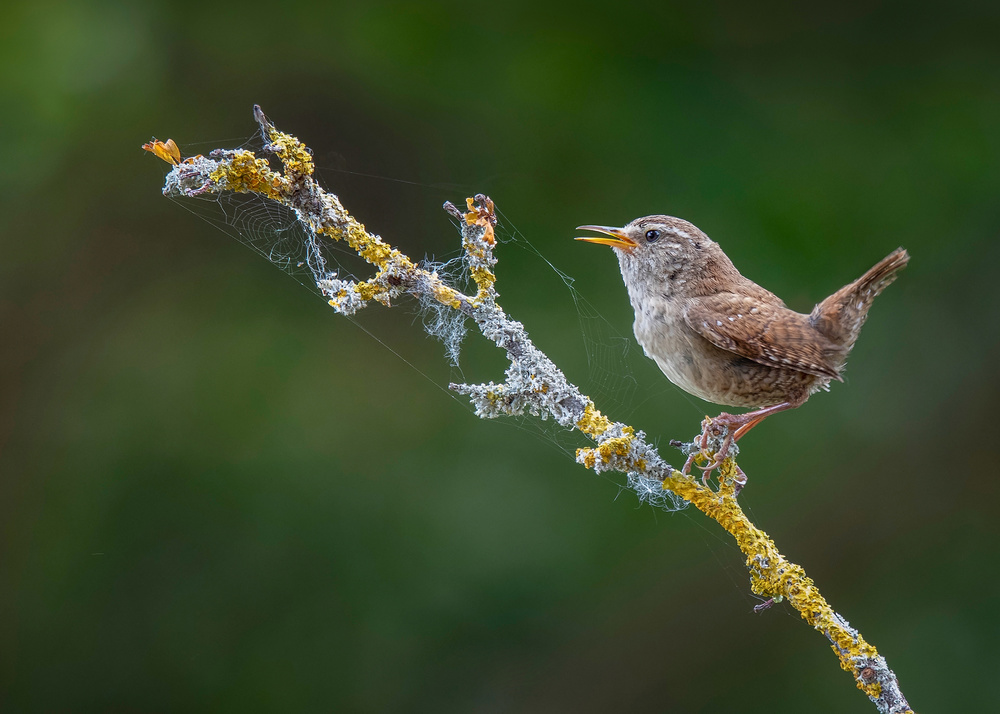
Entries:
{"x":841,"y":315}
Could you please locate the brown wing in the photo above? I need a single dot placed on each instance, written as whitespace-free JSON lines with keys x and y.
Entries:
{"x":769,"y":334}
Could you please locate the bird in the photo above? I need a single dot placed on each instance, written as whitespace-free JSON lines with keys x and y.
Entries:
{"x":724,"y":338}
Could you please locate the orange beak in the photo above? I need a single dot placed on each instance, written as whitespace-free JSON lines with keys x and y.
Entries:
{"x":618,"y":238}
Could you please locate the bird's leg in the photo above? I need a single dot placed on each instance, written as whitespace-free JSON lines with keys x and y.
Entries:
{"x":736,"y":425}
{"x":741,"y":431}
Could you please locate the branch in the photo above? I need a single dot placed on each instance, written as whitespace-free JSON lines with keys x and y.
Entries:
{"x":533,"y":384}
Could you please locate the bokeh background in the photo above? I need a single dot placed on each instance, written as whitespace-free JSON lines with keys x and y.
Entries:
{"x":216,"y":494}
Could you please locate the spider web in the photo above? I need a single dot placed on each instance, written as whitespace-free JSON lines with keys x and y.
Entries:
{"x":610,"y":378}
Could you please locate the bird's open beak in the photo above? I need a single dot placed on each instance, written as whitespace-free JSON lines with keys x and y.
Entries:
{"x":618,"y":237}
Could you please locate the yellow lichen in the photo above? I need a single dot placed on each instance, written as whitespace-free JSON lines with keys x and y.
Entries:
{"x":587,"y":456}
{"x":369,"y":247}
{"x":367,"y":290}
{"x":375,"y":251}
{"x":614,"y":447}
{"x":244,"y":173}
{"x":292,"y":152}
{"x":484,"y":279}
{"x":593,"y":423}
{"x":446,"y":295}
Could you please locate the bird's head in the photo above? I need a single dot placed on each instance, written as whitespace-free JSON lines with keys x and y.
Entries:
{"x":657,"y":249}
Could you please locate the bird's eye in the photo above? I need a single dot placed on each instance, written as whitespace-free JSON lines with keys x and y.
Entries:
{"x":652,"y":235}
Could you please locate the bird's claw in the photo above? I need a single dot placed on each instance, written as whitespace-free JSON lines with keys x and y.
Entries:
{"x":714,"y":429}
{"x":704,"y":457}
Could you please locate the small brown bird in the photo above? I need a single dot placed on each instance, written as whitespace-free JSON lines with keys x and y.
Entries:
{"x":722,"y":337}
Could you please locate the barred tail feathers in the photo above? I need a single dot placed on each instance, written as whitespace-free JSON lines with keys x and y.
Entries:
{"x":841,"y":315}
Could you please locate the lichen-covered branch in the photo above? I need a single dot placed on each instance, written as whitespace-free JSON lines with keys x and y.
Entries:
{"x":532,"y":384}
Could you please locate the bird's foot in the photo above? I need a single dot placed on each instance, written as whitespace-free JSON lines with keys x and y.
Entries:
{"x":710,"y":448}
{"x":715,"y":440}
{"x":723,"y":432}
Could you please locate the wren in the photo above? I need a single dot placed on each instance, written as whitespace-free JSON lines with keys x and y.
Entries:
{"x":725,"y":339}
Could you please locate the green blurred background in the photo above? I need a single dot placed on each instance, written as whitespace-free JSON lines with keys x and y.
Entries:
{"x":216,"y":494}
